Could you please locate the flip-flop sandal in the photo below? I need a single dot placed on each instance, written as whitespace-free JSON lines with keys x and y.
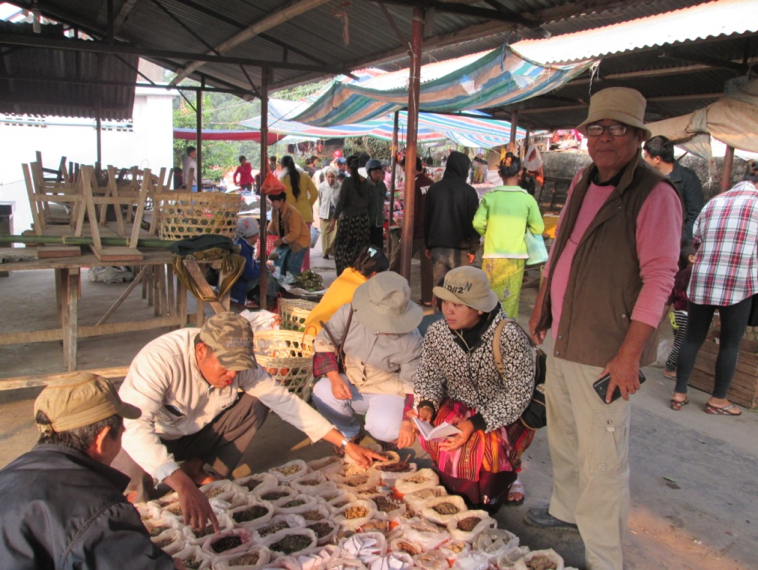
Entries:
{"x":516,"y":487}
{"x":676,"y":405}
{"x":722,"y":411}
{"x":670,"y":375}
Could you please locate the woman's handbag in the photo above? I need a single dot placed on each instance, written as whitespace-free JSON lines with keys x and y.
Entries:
{"x":535,"y":414}
{"x":341,"y":346}
{"x":535,"y":248}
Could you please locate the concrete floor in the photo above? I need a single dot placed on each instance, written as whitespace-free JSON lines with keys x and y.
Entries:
{"x":694,"y":500}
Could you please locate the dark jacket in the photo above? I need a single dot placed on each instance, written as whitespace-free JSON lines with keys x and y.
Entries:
{"x":62,"y":510}
{"x":377,"y":196}
{"x":604,"y":280}
{"x":450,"y":207}
{"x":354,"y":199}
{"x":691,"y":193}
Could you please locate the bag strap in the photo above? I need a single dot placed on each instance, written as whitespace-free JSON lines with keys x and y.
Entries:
{"x":496,"y":352}
{"x":341,"y":346}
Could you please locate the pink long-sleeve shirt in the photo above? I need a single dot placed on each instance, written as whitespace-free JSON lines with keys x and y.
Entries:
{"x":658,"y":235}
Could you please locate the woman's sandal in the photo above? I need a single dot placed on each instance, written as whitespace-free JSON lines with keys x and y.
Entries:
{"x":725,"y":411}
{"x":676,"y":405}
{"x":516,"y":487}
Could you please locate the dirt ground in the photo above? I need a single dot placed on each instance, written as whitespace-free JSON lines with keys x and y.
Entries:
{"x":693,"y":476}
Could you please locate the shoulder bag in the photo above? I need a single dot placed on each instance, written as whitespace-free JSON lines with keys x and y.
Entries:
{"x":535,"y":414}
{"x":341,"y":346}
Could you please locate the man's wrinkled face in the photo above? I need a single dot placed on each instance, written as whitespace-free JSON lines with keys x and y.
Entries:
{"x":611,"y":153}
{"x":211,"y":369}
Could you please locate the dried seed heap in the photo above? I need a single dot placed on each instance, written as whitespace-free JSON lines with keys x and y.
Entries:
{"x":252,"y":484}
{"x":541,"y":563}
{"x":407,"y":547}
{"x":291,"y":543}
{"x":226,"y":543}
{"x":254,"y":512}
{"x":385,"y":504}
{"x":295,"y":503}
{"x":272,"y":528}
{"x":416,"y":479}
{"x":288,"y":470}
{"x":355,"y":513}
{"x":165,"y":542}
{"x":214,"y":492}
{"x":274,"y":495}
{"x":204,"y":532}
{"x":312,"y":515}
{"x":156,"y":530}
{"x":192,"y":563}
{"x":468,"y":524}
{"x":245,"y":560}
{"x":446,"y":508}
{"x":310,"y":482}
{"x":321,"y":529}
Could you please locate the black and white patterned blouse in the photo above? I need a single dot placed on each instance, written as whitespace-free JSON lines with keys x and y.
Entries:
{"x":448,"y":371}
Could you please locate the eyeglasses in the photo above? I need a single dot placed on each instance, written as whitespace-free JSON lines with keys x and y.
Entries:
{"x":615,"y":130}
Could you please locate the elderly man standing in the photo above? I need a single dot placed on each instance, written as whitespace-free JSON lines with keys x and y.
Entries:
{"x":610,"y":271}
{"x":203,"y":398}
{"x":62,"y":504}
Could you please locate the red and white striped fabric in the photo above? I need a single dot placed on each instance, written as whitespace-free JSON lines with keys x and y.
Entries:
{"x":726,"y":263}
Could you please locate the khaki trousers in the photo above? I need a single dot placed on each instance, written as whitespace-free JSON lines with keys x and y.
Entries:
{"x":589,"y":449}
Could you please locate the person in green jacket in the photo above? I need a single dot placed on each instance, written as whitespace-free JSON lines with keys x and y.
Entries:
{"x":504,"y":216}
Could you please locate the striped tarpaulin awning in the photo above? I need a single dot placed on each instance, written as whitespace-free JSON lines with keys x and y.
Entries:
{"x":478,"y":81}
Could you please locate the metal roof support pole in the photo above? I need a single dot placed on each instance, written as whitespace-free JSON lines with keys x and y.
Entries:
{"x":393,"y":166}
{"x":199,"y":139}
{"x":414,"y":90}
{"x":263,"y":279}
{"x":726,"y":175}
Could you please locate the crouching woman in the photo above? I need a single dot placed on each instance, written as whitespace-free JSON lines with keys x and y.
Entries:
{"x":458,"y":383}
{"x":382,"y":348}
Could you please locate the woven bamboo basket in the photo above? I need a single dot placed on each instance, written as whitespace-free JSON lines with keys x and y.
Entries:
{"x":294,"y":313}
{"x":288,"y":357}
{"x":190,"y":214}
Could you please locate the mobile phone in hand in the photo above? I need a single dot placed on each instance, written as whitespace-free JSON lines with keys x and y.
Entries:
{"x":601,"y":387}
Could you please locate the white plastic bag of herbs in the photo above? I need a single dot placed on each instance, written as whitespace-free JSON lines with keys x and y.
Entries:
{"x":417,"y":530}
{"x":453,"y":549}
{"x":440,"y":510}
{"x":193,"y":558}
{"x":311,"y":512}
{"x":295,"y":503}
{"x":223,"y":490}
{"x":237,"y":540}
{"x":278,"y":495}
{"x":354,"y":515}
{"x":313,"y":482}
{"x":326,"y":465}
{"x":170,"y":541}
{"x":160,"y":524}
{"x":258,"y":483}
{"x":371,"y":480}
{"x":540,"y":560}
{"x":418,"y":499}
{"x":393,"y":561}
{"x":466,"y":525}
{"x":509,"y":560}
{"x":291,"y":541}
{"x":254,"y":512}
{"x":318,"y":558}
{"x":253,"y":559}
{"x":473,"y":561}
{"x":431,"y":560}
{"x":387,"y":508}
{"x":289,"y":471}
{"x":495,"y":541}
{"x":326,"y":531}
{"x":198,"y":537}
{"x":365,"y":546}
{"x":277,"y":523}
{"x":336,"y":499}
{"x":412,"y":482}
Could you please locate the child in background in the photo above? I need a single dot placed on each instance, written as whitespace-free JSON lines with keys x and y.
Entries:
{"x":678,"y":298}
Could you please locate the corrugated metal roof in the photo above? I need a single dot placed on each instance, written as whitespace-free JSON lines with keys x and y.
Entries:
{"x":712,"y":19}
{"x":64,"y":97}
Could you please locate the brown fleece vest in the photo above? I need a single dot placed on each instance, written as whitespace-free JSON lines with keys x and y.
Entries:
{"x":604,"y":279}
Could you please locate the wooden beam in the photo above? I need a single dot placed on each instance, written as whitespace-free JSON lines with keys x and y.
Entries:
{"x":123,"y":13}
{"x":741,"y":68}
{"x":38,"y":381}
{"x":392,"y":23}
{"x":270,"y":21}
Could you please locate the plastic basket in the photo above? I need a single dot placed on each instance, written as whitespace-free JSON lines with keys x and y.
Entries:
{"x":294,"y":313}
{"x":288,"y":357}
{"x":190,"y":214}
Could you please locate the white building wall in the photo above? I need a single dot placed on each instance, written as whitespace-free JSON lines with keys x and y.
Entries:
{"x":147,"y":145}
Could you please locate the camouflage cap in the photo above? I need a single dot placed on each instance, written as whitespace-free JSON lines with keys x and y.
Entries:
{"x":81,"y":399}
{"x":231,"y":339}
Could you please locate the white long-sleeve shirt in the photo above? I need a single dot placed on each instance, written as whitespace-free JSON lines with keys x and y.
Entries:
{"x":165,"y":373}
